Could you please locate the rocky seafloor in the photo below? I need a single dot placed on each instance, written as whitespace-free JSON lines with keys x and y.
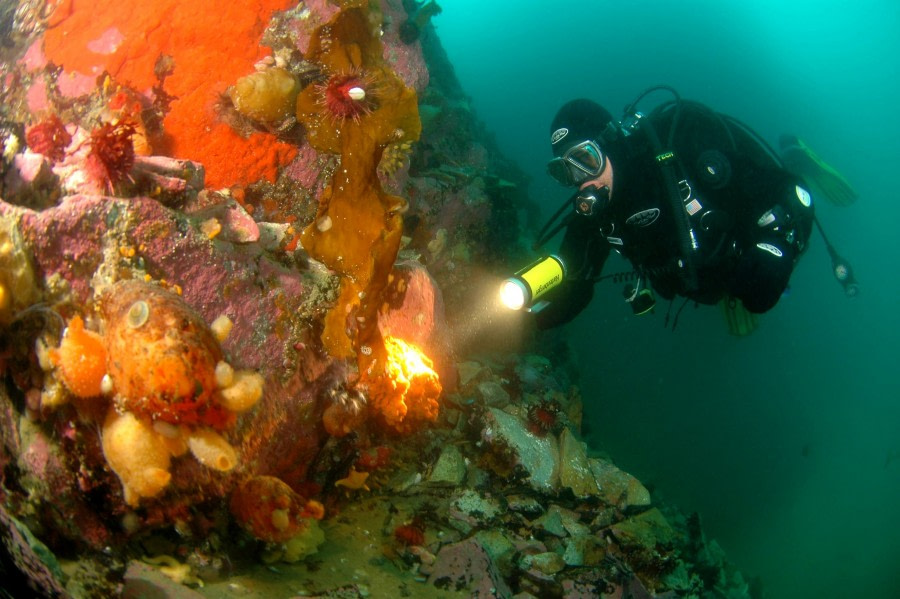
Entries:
{"x":245,"y":348}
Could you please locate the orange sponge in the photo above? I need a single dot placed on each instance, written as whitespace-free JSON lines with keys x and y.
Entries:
{"x":80,"y":359}
{"x":206,"y":43}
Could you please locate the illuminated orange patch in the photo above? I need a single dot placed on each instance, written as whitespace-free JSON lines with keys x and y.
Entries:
{"x":406,"y":394}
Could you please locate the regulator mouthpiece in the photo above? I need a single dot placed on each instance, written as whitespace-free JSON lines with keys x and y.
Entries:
{"x":525,"y":288}
{"x":591,"y":200}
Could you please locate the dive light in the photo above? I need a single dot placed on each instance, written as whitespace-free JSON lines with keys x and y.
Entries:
{"x":843,"y":272}
{"x":523,"y":289}
{"x":840,"y":268}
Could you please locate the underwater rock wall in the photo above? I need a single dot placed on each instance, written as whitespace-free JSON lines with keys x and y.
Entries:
{"x":241,"y":252}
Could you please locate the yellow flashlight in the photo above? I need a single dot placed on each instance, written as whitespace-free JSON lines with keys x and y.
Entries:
{"x":523,"y":289}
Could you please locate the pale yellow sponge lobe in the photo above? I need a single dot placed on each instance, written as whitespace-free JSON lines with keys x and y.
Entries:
{"x":266,"y":96}
{"x":221,"y":328}
{"x":138,"y":455}
{"x":246,"y":389}
{"x":224,"y":375}
{"x":212,"y":450}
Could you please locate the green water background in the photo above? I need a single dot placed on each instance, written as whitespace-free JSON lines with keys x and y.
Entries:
{"x":781,"y":440}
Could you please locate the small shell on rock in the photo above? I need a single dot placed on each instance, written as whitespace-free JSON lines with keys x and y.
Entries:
{"x":323,"y":224}
{"x":106,"y":385}
{"x":138,"y":314}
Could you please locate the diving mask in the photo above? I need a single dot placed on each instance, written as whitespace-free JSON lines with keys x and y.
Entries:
{"x":580,"y":163}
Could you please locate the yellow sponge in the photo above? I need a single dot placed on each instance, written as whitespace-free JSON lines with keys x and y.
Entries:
{"x":138,"y":455}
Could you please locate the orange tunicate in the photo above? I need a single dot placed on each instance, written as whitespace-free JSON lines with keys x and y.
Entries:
{"x":80,"y":359}
{"x":270,"y":510}
{"x":162,"y":356}
{"x":197,"y":49}
{"x":406,"y":394}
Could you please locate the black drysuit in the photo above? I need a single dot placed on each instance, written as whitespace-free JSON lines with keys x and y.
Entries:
{"x":718,"y":218}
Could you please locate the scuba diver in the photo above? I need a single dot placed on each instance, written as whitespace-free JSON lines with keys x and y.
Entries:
{"x":699,"y":205}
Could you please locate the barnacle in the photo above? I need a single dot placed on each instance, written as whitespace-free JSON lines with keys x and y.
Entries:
{"x":127,"y":105}
{"x":138,"y":314}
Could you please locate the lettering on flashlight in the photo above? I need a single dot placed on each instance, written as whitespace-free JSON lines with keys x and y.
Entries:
{"x":547,"y":285}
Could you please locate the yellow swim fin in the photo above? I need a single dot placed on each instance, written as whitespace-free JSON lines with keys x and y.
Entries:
{"x":823,"y":180}
{"x":741,"y":322}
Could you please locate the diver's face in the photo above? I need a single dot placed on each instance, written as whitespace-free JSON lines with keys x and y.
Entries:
{"x":605,"y":179}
